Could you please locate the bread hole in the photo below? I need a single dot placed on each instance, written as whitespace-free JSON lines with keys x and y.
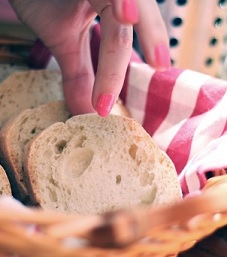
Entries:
{"x":148,"y":197}
{"x":77,"y":163}
{"x":133,"y":151}
{"x":81,"y":141}
{"x":59,"y":146}
{"x":146,"y":178}
{"x":54,"y":182}
{"x":24,"y":121}
{"x":118,"y":179}
{"x":33,"y":131}
{"x":26,"y":141}
{"x":52,"y":195}
{"x":11,"y":101}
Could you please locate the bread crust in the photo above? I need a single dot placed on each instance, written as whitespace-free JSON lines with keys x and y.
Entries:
{"x":5,"y":188}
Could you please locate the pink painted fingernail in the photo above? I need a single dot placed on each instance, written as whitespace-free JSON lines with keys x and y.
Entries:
{"x":130,"y":11}
{"x":162,"y":57}
{"x":105,"y":104}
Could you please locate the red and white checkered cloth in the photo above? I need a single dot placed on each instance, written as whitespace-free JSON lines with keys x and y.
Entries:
{"x":186,"y":114}
{"x":184,"y":111}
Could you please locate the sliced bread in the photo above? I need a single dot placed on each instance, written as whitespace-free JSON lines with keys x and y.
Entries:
{"x":5,"y":188}
{"x":18,"y":131}
{"x":28,"y":89}
{"x":90,"y":165}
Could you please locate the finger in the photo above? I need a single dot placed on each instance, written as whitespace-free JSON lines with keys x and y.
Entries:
{"x":74,"y":59}
{"x":114,"y":54}
{"x":152,"y":35}
{"x":126,"y":11}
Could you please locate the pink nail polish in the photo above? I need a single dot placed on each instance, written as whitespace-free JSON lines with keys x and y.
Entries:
{"x":130,"y":11}
{"x":105,"y":104}
{"x":162,"y":57}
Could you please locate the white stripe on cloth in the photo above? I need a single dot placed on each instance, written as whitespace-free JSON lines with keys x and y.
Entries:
{"x":138,"y":84}
{"x":210,"y":127}
{"x":210,"y":158}
{"x":183,"y":101}
{"x":192,"y":181}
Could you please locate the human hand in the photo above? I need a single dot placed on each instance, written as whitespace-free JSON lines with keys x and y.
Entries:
{"x":63,"y":26}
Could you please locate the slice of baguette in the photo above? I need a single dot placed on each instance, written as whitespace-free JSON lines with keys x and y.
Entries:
{"x":90,"y":165}
{"x":5,"y":188}
{"x":28,"y":89}
{"x":17,"y":132}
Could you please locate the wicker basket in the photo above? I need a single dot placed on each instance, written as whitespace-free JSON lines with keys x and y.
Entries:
{"x":159,"y":232}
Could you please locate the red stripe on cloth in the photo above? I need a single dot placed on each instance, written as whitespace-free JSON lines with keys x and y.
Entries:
{"x":184,"y":186}
{"x":179,"y":149}
{"x":159,"y":98}
{"x":225,"y":129}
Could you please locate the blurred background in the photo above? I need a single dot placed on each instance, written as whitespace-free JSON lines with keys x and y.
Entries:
{"x":197,"y":35}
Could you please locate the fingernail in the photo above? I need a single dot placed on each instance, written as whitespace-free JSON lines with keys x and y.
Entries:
{"x":162,"y":57}
{"x":105,"y":104}
{"x":130,"y":11}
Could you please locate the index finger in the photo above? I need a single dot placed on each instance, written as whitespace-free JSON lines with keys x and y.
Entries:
{"x":114,"y":55}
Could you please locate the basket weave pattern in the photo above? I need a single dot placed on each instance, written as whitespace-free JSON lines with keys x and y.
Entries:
{"x":157,"y":232}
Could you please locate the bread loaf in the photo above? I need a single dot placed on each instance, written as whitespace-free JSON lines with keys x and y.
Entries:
{"x":17,"y":132}
{"x":28,"y":89}
{"x":5,"y":188}
{"x":90,"y":165}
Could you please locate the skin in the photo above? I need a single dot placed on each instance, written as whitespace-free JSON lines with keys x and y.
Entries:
{"x":63,"y":26}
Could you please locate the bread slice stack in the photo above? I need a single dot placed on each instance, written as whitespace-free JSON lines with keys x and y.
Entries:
{"x":84,"y":164}
{"x":17,"y":133}
{"x":90,"y":165}
{"x":24,"y":91}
